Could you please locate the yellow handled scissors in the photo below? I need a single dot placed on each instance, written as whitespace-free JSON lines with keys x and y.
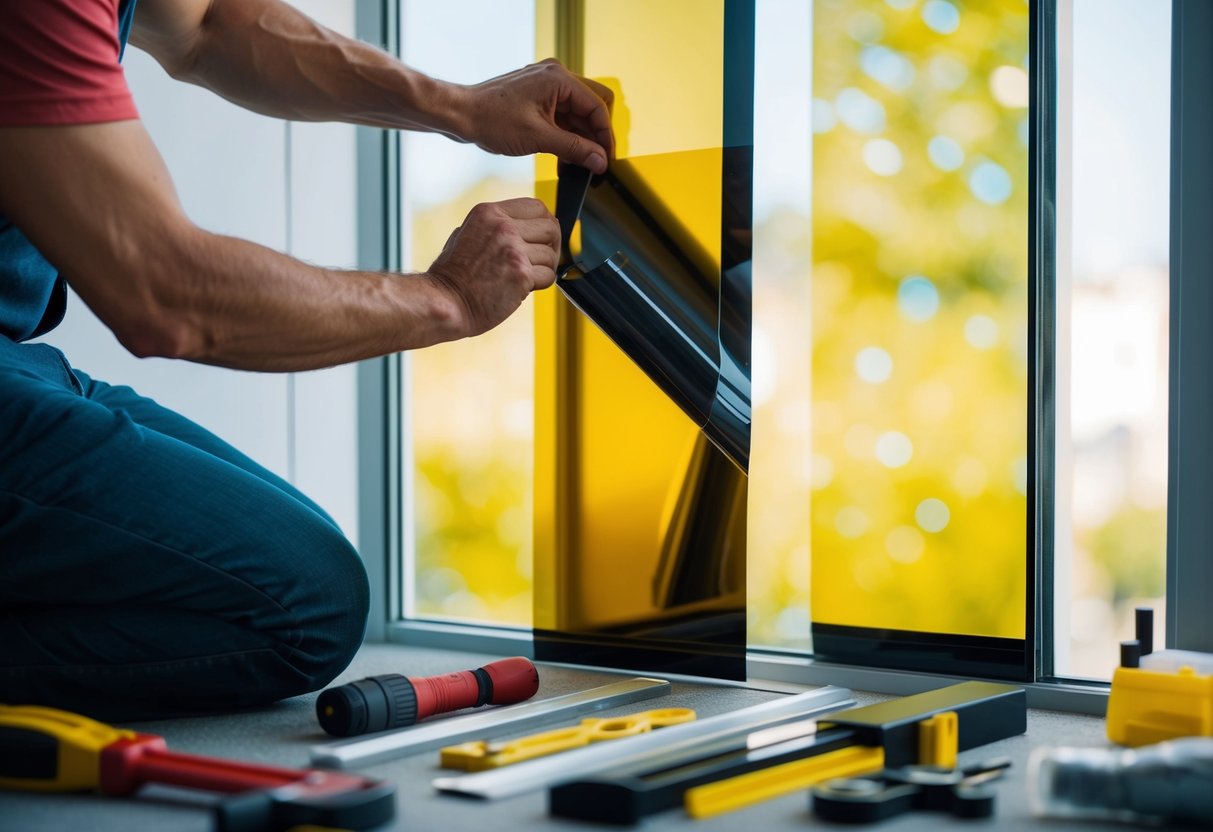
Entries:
{"x":481,"y":755}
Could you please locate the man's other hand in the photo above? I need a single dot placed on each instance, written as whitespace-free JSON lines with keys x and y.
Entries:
{"x":501,"y":253}
{"x":544,"y":108}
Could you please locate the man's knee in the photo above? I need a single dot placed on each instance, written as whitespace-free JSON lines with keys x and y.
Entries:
{"x":332,"y":621}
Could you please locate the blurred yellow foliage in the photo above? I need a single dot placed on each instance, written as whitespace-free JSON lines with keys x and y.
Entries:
{"x":920,"y":213}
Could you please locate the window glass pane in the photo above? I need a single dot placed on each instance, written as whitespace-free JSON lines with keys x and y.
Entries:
{"x":920,"y":317}
{"x":1113,"y":178}
{"x":781,"y":471}
{"x":469,"y":403}
{"x":647,"y":551}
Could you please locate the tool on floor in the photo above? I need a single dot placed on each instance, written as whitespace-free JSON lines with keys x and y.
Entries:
{"x":43,"y":749}
{"x":482,"y":755}
{"x":381,"y":703}
{"x":1159,"y":695}
{"x":965,"y":793}
{"x":489,"y":724}
{"x":666,"y":748}
{"x":938,"y":737}
{"x":734,"y":793}
{"x":627,"y":793}
{"x":1169,"y":783}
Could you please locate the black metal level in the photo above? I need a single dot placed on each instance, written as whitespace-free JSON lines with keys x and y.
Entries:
{"x":986,"y":712}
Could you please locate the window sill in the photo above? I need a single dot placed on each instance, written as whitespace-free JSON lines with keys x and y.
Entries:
{"x":766,"y":669}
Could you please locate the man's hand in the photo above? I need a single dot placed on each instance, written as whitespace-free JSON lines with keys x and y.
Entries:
{"x":544,"y":108}
{"x":501,"y":253}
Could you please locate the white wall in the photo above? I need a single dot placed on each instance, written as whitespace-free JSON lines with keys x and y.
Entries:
{"x":288,"y":186}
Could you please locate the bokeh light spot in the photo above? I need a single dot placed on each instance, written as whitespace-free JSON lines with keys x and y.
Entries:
{"x":905,"y":544}
{"x":874,"y":365}
{"x":440,"y":582}
{"x":946,"y":153}
{"x":918,"y":298}
{"x":865,"y":27}
{"x":887,"y":66}
{"x":981,"y":331}
{"x":882,"y":157}
{"x":947,"y":73}
{"x":969,"y":121}
{"x":1010,"y":86}
{"x":823,"y":116}
{"x":970,"y":477}
{"x":792,"y":622}
{"x":990,"y":183}
{"x":894,"y":449}
{"x":859,"y":111}
{"x":851,"y":522}
{"x":821,"y":471}
{"x":932,"y":515}
{"x":941,"y":16}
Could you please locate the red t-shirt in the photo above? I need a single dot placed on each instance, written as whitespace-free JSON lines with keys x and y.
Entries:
{"x":59,"y":63}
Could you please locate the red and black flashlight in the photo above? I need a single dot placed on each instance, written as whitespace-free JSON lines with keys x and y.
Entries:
{"x":380,"y":703}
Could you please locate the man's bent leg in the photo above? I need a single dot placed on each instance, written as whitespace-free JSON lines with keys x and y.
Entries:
{"x":151,"y":414}
{"x":143,"y":577}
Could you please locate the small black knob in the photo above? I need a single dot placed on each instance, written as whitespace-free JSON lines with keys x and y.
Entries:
{"x":1130,"y":653}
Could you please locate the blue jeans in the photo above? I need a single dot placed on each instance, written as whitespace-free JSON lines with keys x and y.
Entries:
{"x":147,"y":568}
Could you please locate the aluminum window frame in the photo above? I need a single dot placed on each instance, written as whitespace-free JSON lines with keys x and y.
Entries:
{"x":1190,"y":457}
{"x":380,"y":415}
{"x":1189,"y":621}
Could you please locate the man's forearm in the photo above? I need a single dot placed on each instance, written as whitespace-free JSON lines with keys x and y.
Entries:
{"x":98,"y":202}
{"x":249,"y":307}
{"x":269,"y":57}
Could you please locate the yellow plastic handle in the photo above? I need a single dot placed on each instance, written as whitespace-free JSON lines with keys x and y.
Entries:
{"x":48,"y":750}
{"x":479,"y":756}
{"x":611,"y":728}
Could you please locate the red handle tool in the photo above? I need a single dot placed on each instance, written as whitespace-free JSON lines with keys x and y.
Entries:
{"x":49,"y":750}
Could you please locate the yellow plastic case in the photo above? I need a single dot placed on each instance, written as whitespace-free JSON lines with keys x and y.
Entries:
{"x":1148,"y":706}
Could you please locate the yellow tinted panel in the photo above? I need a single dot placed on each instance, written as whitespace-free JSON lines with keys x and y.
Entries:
{"x":620,"y":468}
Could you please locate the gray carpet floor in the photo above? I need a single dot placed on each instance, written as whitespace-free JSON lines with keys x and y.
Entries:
{"x":281,"y":735}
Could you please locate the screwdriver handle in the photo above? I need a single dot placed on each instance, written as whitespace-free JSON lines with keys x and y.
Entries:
{"x":388,"y":701}
{"x":502,"y":682}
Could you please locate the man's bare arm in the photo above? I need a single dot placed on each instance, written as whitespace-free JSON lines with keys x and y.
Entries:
{"x":269,"y":57}
{"x":99,"y":203}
